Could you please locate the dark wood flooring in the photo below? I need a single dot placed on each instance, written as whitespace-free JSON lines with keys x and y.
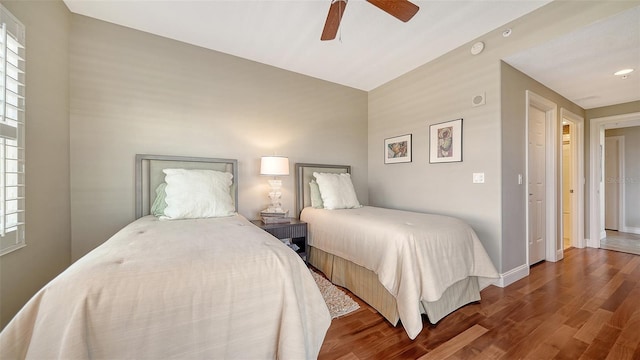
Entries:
{"x":586,"y":306}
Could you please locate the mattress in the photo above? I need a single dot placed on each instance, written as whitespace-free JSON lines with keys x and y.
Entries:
{"x":416,"y":257}
{"x":202,"y":288}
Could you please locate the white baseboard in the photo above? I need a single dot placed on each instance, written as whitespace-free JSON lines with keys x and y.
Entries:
{"x":631,"y":230}
{"x":559,"y":255}
{"x":513,"y":275}
{"x":592,"y":244}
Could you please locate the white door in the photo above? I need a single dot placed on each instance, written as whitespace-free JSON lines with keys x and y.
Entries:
{"x":611,"y":183}
{"x":537,"y":206}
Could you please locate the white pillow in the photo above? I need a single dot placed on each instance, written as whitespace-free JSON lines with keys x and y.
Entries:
{"x":337,"y":191}
{"x":193,"y":194}
{"x":314,"y":193}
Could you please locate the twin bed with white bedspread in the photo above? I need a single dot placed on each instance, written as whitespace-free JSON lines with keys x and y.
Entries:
{"x":402,"y":263}
{"x":216,"y":287}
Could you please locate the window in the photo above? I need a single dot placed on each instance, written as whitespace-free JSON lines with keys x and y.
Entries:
{"x":12,"y":117}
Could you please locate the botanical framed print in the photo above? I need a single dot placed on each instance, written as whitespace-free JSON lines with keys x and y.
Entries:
{"x":445,"y":142}
{"x":397,"y":149}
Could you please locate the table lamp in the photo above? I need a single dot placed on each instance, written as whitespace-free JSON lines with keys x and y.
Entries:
{"x":274,"y":166}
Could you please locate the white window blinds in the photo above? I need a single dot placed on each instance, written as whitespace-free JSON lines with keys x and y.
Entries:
{"x":12,"y":117}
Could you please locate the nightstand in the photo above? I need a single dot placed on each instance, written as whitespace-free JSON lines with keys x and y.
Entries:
{"x":295,"y":230}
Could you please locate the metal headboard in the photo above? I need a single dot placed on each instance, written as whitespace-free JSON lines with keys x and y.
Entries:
{"x":304,"y":175}
{"x":149,"y":175}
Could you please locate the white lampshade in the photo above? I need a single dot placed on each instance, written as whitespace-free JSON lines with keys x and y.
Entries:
{"x":274,"y":165}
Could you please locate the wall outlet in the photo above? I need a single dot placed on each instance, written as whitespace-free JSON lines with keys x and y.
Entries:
{"x":478,"y":178}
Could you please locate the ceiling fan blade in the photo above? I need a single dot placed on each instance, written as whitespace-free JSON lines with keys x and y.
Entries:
{"x":400,"y":9}
{"x":333,"y":19}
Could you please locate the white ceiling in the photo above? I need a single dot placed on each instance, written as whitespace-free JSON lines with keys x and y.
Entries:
{"x":286,"y":34}
{"x":580,"y":65}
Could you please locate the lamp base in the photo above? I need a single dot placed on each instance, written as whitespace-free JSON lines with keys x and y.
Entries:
{"x":275,"y":194}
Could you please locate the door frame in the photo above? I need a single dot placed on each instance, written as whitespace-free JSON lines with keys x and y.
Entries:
{"x":621,"y":189}
{"x":578,"y":183}
{"x":596,"y":169}
{"x":552,"y":141}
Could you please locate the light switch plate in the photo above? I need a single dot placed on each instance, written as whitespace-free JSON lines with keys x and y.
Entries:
{"x":478,"y":178}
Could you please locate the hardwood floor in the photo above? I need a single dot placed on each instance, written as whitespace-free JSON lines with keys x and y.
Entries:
{"x":586,"y":306}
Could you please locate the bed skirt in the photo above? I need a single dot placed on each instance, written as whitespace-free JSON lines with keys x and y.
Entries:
{"x":364,"y":284}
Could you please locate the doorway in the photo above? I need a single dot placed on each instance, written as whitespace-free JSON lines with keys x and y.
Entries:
{"x":541,"y":210}
{"x":572,"y":184}
{"x":596,"y":172}
{"x":567,"y":184}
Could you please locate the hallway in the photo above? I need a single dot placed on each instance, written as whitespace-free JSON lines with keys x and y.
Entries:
{"x":619,"y":241}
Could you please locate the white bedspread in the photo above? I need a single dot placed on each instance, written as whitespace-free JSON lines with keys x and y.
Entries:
{"x":207,"y":288}
{"x":416,"y":256}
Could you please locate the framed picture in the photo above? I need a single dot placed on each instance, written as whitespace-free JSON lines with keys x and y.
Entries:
{"x":445,"y":142}
{"x":397,"y":149}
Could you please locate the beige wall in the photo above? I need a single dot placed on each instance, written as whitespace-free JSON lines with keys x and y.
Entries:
{"x":442,"y":90}
{"x":47,"y":253}
{"x":133,"y":92}
{"x":613,"y":110}
{"x":437,"y":92}
{"x":514,"y":141}
{"x":631,"y":178}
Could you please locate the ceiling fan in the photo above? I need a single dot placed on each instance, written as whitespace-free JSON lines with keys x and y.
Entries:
{"x":400,"y":9}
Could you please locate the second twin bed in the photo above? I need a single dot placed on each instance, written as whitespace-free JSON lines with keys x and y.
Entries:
{"x":402,"y":263}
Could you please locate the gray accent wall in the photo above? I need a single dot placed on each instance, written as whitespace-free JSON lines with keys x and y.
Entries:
{"x":48,"y":229}
{"x":133,"y":92}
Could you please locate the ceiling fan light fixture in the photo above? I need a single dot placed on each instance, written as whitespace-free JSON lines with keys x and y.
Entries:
{"x":623,"y":72}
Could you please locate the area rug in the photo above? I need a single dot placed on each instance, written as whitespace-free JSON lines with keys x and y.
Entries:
{"x":338,"y":302}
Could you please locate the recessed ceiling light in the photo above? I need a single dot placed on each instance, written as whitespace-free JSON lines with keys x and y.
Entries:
{"x":623,"y":72}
